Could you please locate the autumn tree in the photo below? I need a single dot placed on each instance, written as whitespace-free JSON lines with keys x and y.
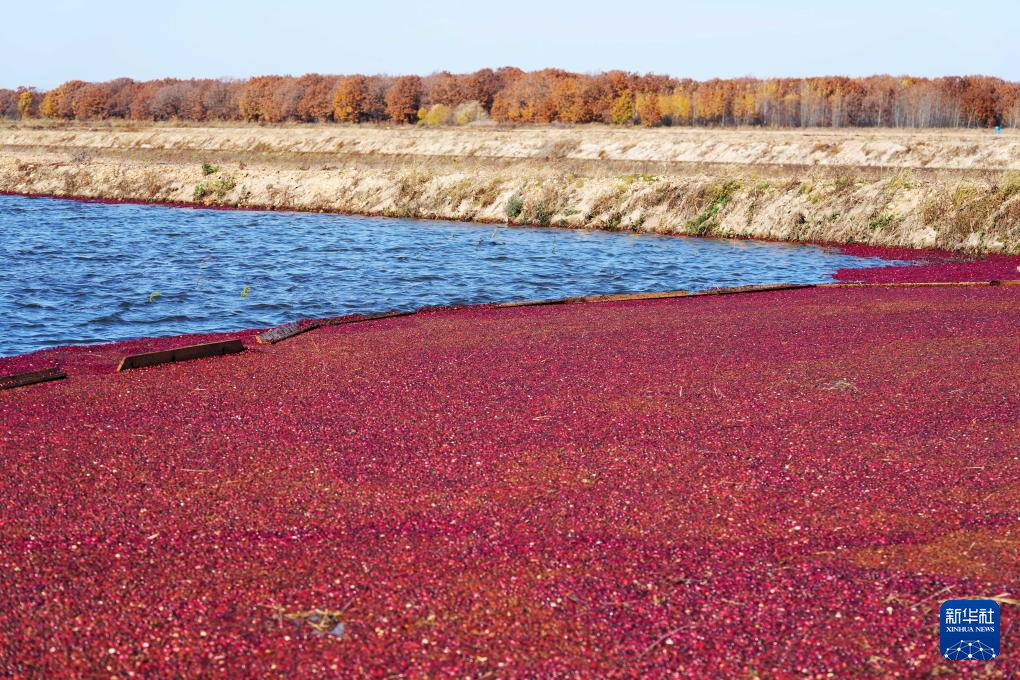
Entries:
{"x":482,"y":87}
{"x":622,"y":110}
{"x":256,"y":102}
{"x":8,"y":103}
{"x":172,"y":99}
{"x":443,"y":88}
{"x":26,"y":104}
{"x":979,"y":101}
{"x":620,"y":82}
{"x":676,"y":106}
{"x":1009,"y":102}
{"x":350,"y":104}
{"x":566,"y":100}
{"x":317,"y":94}
{"x":744,"y":105}
{"x":510,"y":95}
{"x":214,"y":100}
{"x":285,"y":96}
{"x":404,"y":99}
{"x":92,"y":101}
{"x":710,"y":102}
{"x":648,"y":110}
{"x":59,"y":102}
{"x":529,"y":98}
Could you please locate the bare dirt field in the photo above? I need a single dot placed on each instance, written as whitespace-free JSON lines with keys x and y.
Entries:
{"x":951,"y":189}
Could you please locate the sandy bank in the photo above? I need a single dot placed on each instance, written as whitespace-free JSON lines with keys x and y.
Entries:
{"x":936,"y":149}
{"x":957,"y":190}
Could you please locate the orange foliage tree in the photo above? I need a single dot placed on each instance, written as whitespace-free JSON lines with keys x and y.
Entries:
{"x":404,"y":99}
{"x":510,"y":95}
{"x":648,"y":110}
{"x":350,"y":104}
{"x":256,"y":101}
{"x":59,"y":102}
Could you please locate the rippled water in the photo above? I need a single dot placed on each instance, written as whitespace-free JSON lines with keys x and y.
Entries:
{"x":86,"y":272}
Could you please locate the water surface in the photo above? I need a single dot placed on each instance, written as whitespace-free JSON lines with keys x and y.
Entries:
{"x":78,"y":272}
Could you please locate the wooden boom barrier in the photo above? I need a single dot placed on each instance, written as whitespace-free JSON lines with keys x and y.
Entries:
{"x":166,"y":356}
{"x":30,"y":378}
{"x":289,"y":330}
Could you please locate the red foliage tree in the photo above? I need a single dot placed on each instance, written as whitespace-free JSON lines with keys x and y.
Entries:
{"x":93,"y":101}
{"x":482,"y":86}
{"x":404,"y":99}
{"x":443,"y":88}
{"x":980,"y":101}
{"x":9,"y":103}
{"x":316,"y":103}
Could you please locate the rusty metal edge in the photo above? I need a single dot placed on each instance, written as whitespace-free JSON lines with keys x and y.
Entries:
{"x":186,"y":353}
{"x":9,"y":382}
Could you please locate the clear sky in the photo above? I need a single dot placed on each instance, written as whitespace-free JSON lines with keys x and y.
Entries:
{"x":45,"y":42}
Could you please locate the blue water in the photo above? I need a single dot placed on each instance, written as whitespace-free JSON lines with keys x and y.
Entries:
{"x":85,"y":272}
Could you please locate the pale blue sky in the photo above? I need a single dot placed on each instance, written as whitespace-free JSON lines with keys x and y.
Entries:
{"x":45,"y":42}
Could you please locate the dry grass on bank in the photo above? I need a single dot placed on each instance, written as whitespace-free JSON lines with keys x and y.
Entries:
{"x":949,"y":189}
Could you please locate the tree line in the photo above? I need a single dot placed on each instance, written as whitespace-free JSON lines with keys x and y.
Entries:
{"x":510,"y":95}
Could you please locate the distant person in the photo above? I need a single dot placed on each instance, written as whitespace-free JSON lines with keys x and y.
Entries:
{"x":998,"y":129}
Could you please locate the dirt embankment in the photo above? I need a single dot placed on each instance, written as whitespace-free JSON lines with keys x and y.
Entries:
{"x":957,"y":190}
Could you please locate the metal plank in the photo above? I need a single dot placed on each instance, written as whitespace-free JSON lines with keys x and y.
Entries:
{"x":208,"y":349}
{"x":30,"y":378}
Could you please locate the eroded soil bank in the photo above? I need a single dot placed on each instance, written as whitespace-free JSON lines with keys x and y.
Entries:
{"x":938,"y":189}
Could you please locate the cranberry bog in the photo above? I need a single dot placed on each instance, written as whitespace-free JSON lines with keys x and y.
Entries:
{"x":783,"y":482}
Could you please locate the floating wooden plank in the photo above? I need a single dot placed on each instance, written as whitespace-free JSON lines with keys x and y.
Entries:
{"x":530,"y":303}
{"x":622,"y":297}
{"x":30,"y":378}
{"x":287,"y":330}
{"x":166,"y":356}
{"x":344,"y":320}
{"x":539,"y":303}
{"x":428,"y":309}
{"x":437,"y":308}
{"x":754,"y":289}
